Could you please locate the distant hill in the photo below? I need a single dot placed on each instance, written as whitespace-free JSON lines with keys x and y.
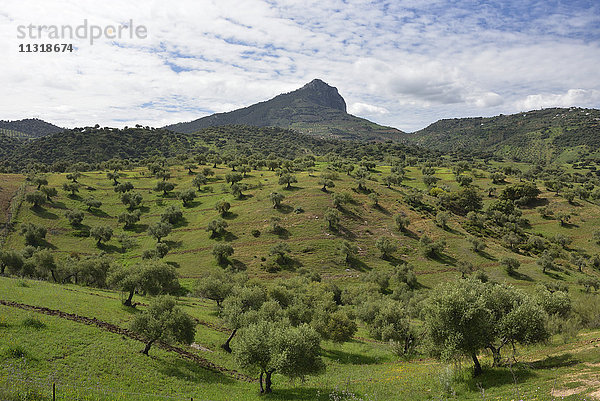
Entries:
{"x":28,"y":128}
{"x":315,"y":109}
{"x":94,"y":145}
{"x":548,"y":134}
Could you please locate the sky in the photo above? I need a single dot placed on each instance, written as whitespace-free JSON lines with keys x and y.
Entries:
{"x":404,"y":63}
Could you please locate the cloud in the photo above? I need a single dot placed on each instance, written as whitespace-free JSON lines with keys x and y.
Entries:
{"x":569,"y":98}
{"x":367,"y":109}
{"x":404,"y":63}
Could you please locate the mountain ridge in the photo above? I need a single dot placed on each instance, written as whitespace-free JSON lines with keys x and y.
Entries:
{"x":316,"y":109}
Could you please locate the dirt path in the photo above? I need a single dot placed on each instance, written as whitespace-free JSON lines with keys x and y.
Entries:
{"x":127,"y":333}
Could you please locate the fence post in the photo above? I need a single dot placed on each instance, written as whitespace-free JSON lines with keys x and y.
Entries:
{"x":53,"y":391}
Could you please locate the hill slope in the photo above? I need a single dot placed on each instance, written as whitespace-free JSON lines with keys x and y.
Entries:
{"x":28,"y":128}
{"x":531,"y":136}
{"x":316,"y":109}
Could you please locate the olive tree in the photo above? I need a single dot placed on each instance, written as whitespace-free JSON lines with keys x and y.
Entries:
{"x":385,"y":246}
{"x":159,"y":230}
{"x":215,"y":286}
{"x":276,"y":199}
{"x":129,"y":218}
{"x":131,"y":199}
{"x":222,"y":206}
{"x":216,"y":227}
{"x":36,"y":198}
{"x":75,"y":217}
{"x":34,"y":234}
{"x":187,"y":196}
{"x":149,"y":277}
{"x":164,"y":321}
{"x":294,"y":352}
{"x":92,"y":203}
{"x":221,"y":252}
{"x":287,"y":180}
{"x":101,"y":234}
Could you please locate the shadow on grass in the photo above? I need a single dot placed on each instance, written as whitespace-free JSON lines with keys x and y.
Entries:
{"x":520,"y":276}
{"x":181,"y":223}
{"x":358,"y":265}
{"x":237,"y":265}
{"x":443,"y":258}
{"x":285,"y":209}
{"x":345,"y":233}
{"x":193,"y":204}
{"x":57,"y":205}
{"x":230,"y":216}
{"x":98,"y":213}
{"x":108,"y":248}
{"x":555,"y":361}
{"x":553,"y":275}
{"x":347,"y":358}
{"x":137,"y":228}
{"x":174,"y":244}
{"x":501,"y":376}
{"x":298,"y":393}
{"x":43,"y":213}
{"x":486,"y":255}
{"x":382,"y":209}
{"x":190,"y":371}
{"x":292,"y":188}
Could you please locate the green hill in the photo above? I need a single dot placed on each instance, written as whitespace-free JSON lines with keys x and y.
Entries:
{"x":538,"y":135}
{"x":315,"y":109}
{"x":49,"y":336}
{"x":28,"y":128}
{"x":92,"y":146}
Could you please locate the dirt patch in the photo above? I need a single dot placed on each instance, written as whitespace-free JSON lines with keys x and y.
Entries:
{"x":595,"y":394}
{"x":567,"y":392}
{"x":9,"y":183}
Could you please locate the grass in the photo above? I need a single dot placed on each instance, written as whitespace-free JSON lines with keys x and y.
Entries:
{"x":41,"y":349}
{"x":74,"y":355}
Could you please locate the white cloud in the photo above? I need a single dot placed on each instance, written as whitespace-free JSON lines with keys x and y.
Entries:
{"x":366,"y":109}
{"x":404,"y":64}
{"x":569,"y":98}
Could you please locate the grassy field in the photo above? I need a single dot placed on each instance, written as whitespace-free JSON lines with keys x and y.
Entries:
{"x":312,"y":244}
{"x":87,"y":362}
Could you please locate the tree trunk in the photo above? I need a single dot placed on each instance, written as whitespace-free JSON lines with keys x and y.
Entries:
{"x":226,"y":346}
{"x":128,"y":300}
{"x":147,"y":348}
{"x":260,"y":382}
{"x":268,"y":382}
{"x":476,"y":366}
{"x":495,"y":355}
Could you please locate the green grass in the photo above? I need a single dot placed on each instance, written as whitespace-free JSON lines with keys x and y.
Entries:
{"x":88,"y":363}
{"x":47,"y":349}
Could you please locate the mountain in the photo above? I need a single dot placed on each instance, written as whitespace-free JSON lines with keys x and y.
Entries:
{"x":315,"y":109}
{"x":554,"y":134}
{"x":28,"y":128}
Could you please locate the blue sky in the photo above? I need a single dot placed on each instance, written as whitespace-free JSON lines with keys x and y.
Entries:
{"x":400,"y":63}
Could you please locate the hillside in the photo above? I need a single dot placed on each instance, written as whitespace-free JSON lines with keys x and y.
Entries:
{"x":537,"y":135}
{"x":29,"y":128}
{"x":95,"y":145}
{"x":364,"y":368}
{"x":315,"y":109}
